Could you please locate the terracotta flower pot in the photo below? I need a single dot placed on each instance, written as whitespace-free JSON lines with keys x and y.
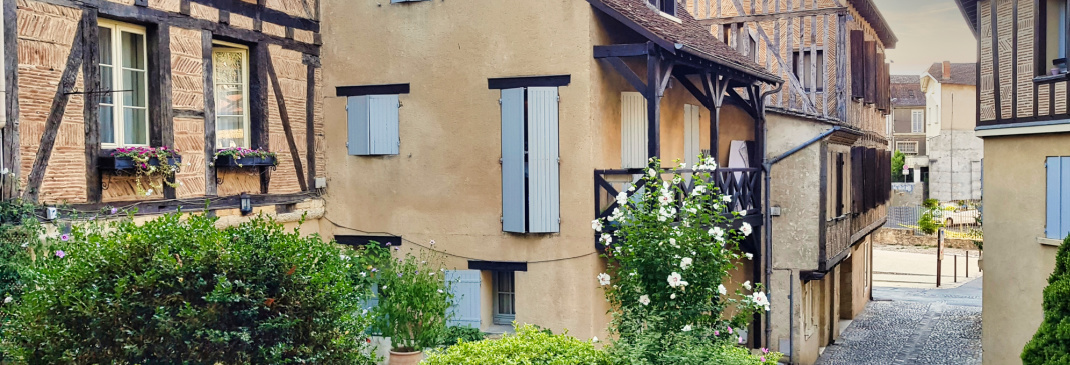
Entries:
{"x":406,"y":358}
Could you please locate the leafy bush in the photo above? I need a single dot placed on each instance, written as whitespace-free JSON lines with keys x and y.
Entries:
{"x":455,"y":334}
{"x":671,"y":265}
{"x":179,"y":290}
{"x":930,"y":222}
{"x":898,"y":160}
{"x":699,"y":346}
{"x":529,"y":346}
{"x":1051,"y":345}
{"x":413,"y":298}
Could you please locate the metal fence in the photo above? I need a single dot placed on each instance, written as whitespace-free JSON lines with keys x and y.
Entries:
{"x":964,"y":221}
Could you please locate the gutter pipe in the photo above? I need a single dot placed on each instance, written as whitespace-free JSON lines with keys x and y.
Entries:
{"x":767,"y":166}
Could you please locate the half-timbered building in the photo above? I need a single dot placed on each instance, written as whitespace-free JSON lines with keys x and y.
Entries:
{"x":1023,"y":118}
{"x":87,"y":78}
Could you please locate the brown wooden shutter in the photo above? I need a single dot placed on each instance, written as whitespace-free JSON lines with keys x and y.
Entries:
{"x":858,"y":64}
{"x":839,"y":184}
{"x":887,"y":187}
{"x":871,"y":178}
{"x":871,"y":72}
{"x":857,"y":179}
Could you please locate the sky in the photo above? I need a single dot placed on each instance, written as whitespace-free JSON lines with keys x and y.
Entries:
{"x":929,"y":31}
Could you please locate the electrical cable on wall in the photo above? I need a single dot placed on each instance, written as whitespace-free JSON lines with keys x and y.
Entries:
{"x":428,"y":247}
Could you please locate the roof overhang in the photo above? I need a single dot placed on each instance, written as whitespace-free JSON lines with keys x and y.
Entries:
{"x":969,"y":12}
{"x":871,"y":14}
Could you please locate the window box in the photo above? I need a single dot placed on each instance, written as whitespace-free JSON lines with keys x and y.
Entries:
{"x":121,"y":163}
{"x":249,"y":161}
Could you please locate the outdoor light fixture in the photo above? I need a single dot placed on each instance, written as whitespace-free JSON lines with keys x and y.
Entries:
{"x":246,"y":204}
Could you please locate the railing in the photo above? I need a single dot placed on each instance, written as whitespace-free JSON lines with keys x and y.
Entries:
{"x":744,"y":185}
{"x":843,"y":232}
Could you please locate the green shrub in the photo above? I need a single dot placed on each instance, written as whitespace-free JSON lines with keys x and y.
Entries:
{"x":898,"y":160}
{"x":1051,"y":344}
{"x":413,"y":298}
{"x":929,"y":221}
{"x":179,"y":290}
{"x":699,"y":346}
{"x":529,"y":346}
{"x":454,"y":334}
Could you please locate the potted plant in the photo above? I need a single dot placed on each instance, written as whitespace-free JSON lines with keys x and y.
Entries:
{"x":239,"y":157}
{"x":147,"y":164}
{"x":413,"y":298}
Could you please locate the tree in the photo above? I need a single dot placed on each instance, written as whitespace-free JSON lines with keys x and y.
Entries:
{"x":1051,"y":345}
{"x":898,"y":160}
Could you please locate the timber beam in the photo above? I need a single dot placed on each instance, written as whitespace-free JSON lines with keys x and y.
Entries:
{"x":772,"y":17}
{"x":622,"y":50}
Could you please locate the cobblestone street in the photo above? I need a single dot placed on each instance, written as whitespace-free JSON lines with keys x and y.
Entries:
{"x":913,"y":326}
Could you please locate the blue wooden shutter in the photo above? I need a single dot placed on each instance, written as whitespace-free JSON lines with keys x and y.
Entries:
{"x":383,"y":126}
{"x":357,"y":114}
{"x":465,"y":309}
{"x":1058,"y":202}
{"x":544,"y":198}
{"x":633,"y":115}
{"x":514,"y":197}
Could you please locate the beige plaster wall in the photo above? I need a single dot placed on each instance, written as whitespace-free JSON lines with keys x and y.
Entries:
{"x":795,"y":189}
{"x":959,"y":107}
{"x":1016,"y":266}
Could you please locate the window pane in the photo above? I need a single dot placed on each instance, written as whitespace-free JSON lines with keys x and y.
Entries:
{"x":230,"y":132}
{"x":107,"y":124}
{"x":230,"y":100}
{"x":135,"y":126}
{"x":134,"y":88}
{"x":228,"y":67}
{"x":133,"y":50}
{"x":106,"y":74}
{"x":104,"y":43}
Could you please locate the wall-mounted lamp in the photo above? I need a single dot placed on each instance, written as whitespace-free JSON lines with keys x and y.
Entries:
{"x":246,"y":204}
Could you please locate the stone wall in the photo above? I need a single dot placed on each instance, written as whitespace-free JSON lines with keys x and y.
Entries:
{"x":906,"y":237}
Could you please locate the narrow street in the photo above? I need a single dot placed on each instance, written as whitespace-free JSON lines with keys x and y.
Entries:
{"x":913,"y":323}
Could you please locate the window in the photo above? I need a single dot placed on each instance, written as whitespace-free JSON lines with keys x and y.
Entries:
{"x":530,"y":187}
{"x":665,"y":6}
{"x":752,"y":47}
{"x":1054,"y":47}
{"x":1058,"y":197}
{"x":124,"y":112}
{"x":889,"y":125}
{"x":911,"y":93}
{"x":504,"y":297}
{"x":907,"y":147}
{"x":230,"y":65}
{"x":373,"y":125}
{"x":917,"y":121}
{"x":805,"y":60}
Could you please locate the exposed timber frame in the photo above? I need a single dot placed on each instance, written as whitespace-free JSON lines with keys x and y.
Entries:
{"x":84,"y":56}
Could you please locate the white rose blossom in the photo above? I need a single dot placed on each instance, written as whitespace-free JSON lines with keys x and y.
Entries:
{"x":722,"y":290}
{"x":676,"y":280}
{"x":596,"y":225}
{"x":603,"y":279}
{"x":750,"y":256}
{"x":747,"y":285}
{"x":746,"y":229}
{"x":726,"y":198}
{"x":606,"y":239}
{"x":644,"y":299}
{"x":622,"y":198}
{"x":672,"y":296}
{"x":685,"y":263}
{"x":717,"y":233}
{"x":687,"y":328}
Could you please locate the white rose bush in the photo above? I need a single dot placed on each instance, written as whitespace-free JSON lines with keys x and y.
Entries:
{"x":669,"y":251}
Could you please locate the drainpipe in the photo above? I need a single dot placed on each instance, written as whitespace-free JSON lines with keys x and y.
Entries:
{"x":768,"y":246}
{"x":768,"y":167}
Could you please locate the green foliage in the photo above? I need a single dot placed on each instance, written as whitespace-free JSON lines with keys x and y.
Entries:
{"x":242,"y":152}
{"x":413,"y":298}
{"x":143,"y":168}
{"x":1051,"y":344}
{"x":455,"y":334}
{"x":667,"y":266}
{"x":930,"y":221}
{"x":179,"y":290}
{"x":898,"y":160}
{"x":695,"y":347}
{"x":529,"y":346}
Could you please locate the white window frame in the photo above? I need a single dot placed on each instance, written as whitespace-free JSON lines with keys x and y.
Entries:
{"x":917,"y":121}
{"x":899,"y":147}
{"x":117,"y":28}
{"x":221,"y":46}
{"x":499,"y":317}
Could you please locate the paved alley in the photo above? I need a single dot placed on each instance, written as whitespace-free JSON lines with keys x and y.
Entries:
{"x":904,"y":326}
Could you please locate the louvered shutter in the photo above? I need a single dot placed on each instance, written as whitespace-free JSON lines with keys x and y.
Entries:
{"x":857,"y":179}
{"x":514,"y":204}
{"x":871,"y":72}
{"x":633,"y":138}
{"x":465,"y":310}
{"x":871,"y":178}
{"x":858,"y":64}
{"x":1058,"y":197}
{"x":357,"y":114}
{"x":544,"y":198}
{"x":692,"y":146}
{"x":383,"y":134}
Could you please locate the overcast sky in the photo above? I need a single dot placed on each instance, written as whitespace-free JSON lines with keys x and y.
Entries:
{"x":929,"y":31}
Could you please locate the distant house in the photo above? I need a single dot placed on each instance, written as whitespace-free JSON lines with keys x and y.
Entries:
{"x":954,"y":150}
{"x":906,"y":124}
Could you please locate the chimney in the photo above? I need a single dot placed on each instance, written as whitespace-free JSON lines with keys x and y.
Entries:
{"x":947,"y":71}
